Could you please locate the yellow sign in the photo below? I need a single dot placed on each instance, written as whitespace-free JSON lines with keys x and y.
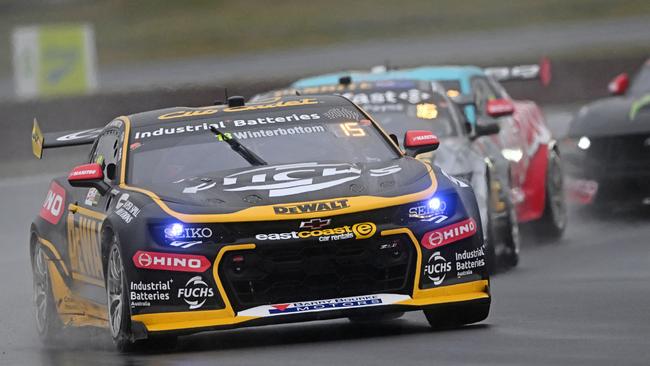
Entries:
{"x":54,"y":60}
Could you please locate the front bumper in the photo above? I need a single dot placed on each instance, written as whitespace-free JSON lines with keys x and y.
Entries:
{"x":473,"y":287}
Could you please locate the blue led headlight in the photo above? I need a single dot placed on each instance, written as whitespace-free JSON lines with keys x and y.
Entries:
{"x":174,"y":230}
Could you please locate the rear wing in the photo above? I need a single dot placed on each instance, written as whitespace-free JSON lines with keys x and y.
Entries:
{"x":541,"y":71}
{"x":42,"y":141}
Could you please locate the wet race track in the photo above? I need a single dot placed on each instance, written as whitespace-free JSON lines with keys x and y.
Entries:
{"x":583,"y":300}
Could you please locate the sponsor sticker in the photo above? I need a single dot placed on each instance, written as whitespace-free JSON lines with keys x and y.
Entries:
{"x":449,"y":234}
{"x":196,"y":292}
{"x":321,"y":206}
{"x":170,"y":261}
{"x":292,"y":179}
{"x":426,"y":213}
{"x":53,"y":206}
{"x":358,"y":231}
{"x":437,"y":268}
{"x":125,"y":209}
{"x":92,"y":197}
{"x":141,"y":294}
{"x":197,"y":112}
{"x":324,"y":305}
{"x":469,"y":260}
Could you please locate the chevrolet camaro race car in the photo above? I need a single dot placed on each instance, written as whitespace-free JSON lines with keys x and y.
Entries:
{"x":607,"y":150}
{"x":184,"y":220}
{"x":531,"y":155}
{"x":402,"y":105}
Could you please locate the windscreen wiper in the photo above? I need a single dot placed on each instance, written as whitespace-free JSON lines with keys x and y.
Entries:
{"x":240,"y":149}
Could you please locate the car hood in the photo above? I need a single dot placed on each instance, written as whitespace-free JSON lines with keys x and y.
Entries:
{"x":235,"y":190}
{"x":613,"y":116}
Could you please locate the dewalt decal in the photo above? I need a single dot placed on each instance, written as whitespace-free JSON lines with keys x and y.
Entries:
{"x":84,"y":248}
{"x":321,"y":206}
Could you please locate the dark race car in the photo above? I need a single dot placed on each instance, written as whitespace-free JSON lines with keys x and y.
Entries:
{"x":402,"y":105}
{"x":607,"y":150}
{"x":299,"y":208}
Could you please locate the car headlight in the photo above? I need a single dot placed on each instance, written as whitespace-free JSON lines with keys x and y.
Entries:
{"x":584,"y":143}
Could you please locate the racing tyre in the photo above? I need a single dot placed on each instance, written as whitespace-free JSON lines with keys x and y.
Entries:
{"x":510,"y":258}
{"x":554,"y":220}
{"x":48,"y":323}
{"x":456,"y":315}
{"x":375,"y":317}
{"x":490,"y":255}
{"x":119,"y":317}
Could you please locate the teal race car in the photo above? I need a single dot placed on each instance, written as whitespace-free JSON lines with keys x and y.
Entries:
{"x":530,"y":154}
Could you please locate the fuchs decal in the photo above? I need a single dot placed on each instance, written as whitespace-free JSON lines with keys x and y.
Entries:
{"x":437,"y":268}
{"x":54,"y":204}
{"x":292,"y":179}
{"x":449,"y":234}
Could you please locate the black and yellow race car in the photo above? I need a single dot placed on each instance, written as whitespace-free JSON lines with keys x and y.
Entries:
{"x":184,"y":220}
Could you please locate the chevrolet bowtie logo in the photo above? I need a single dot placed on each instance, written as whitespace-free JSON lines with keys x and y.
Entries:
{"x":315,"y":223}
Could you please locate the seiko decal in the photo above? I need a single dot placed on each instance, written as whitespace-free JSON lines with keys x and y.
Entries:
{"x":53,"y":206}
{"x":190,"y":233}
{"x":324,"y":305}
{"x":437,"y":268}
{"x":292,"y":179}
{"x":322,"y":206}
{"x":196,"y":292}
{"x":362,"y":230}
{"x":425,"y":213}
{"x":170,"y":261}
{"x":449,"y":234}
{"x":143,"y":293}
{"x":469,"y":260}
{"x":125,"y":209}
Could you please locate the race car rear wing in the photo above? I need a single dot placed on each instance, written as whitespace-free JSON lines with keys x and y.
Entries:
{"x":541,"y":71}
{"x":42,"y":141}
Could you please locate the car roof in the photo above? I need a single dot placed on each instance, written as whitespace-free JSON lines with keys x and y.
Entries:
{"x":420,"y":73}
{"x":171,"y":115}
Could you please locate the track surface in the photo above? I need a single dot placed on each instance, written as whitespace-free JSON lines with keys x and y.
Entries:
{"x":581,"y":301}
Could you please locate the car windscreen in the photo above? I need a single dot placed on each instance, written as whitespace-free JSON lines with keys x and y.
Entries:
{"x":411,"y":109}
{"x":641,"y":83}
{"x":164,"y":153}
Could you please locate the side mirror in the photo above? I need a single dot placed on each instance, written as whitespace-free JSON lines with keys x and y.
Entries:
{"x":499,"y":108}
{"x":418,"y":142}
{"x":619,"y":84}
{"x":486,"y":129}
{"x":88,"y":176}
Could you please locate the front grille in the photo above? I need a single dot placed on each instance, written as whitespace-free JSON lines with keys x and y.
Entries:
{"x":302,"y":271}
{"x":620,"y":151}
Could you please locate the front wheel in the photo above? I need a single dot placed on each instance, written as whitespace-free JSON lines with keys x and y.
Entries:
{"x":119,"y":318}
{"x":554,"y":219}
{"x":48,"y":323}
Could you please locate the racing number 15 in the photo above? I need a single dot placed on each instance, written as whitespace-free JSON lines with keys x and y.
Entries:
{"x":352,"y":129}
